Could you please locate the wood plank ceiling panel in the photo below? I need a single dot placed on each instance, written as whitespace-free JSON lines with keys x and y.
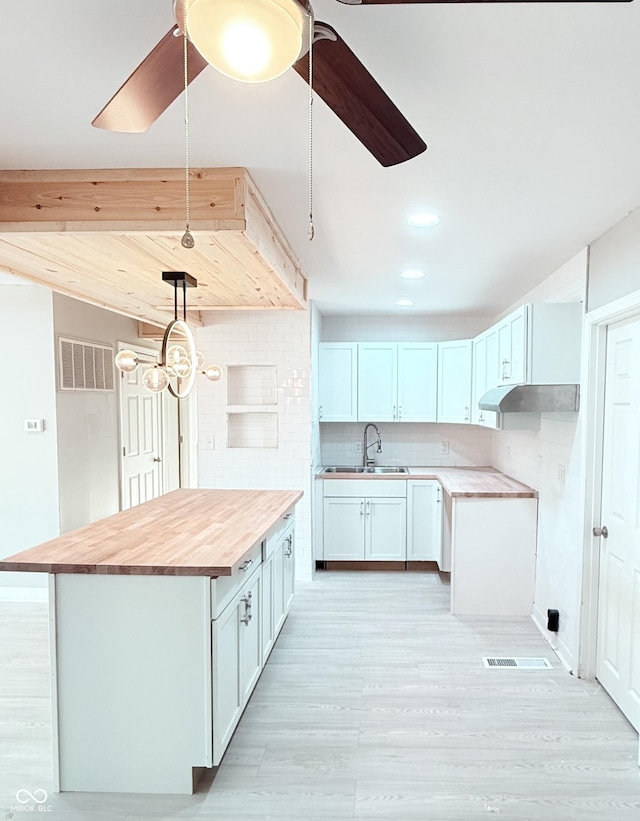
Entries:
{"x":106,"y":236}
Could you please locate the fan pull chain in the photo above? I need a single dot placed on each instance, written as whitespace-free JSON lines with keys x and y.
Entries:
{"x":187,"y":240}
{"x":311,"y":231}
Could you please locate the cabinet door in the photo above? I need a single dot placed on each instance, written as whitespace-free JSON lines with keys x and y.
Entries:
{"x":479,"y":376}
{"x":485,"y":365}
{"x":424,"y":521}
{"x":338,"y":382}
{"x":386,"y":529}
{"x":377,"y":382}
{"x":512,"y":345}
{"x":227,"y":699}
{"x":454,"y":381}
{"x":250,"y":630}
{"x":278,"y":589}
{"x":289,"y":569}
{"x":266,"y":608}
{"x":417,"y":382}
{"x":343,"y":527}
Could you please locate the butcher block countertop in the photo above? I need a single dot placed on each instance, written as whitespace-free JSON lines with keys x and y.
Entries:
{"x":469,"y":482}
{"x":183,"y":533}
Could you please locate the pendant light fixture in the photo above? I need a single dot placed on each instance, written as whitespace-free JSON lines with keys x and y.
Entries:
{"x":179,"y":360}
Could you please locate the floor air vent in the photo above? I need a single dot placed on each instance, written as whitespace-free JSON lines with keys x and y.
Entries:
{"x":518,"y":663}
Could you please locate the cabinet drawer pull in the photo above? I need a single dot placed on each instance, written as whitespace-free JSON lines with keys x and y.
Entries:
{"x":362,"y":508}
{"x":368,"y":508}
{"x":466,"y":414}
{"x":399,"y":412}
{"x":245,"y":566}
{"x":287,"y":516}
{"x":394,"y":412}
{"x":320,"y":411}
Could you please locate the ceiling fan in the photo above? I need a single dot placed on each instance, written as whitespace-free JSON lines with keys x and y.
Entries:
{"x":255,"y":41}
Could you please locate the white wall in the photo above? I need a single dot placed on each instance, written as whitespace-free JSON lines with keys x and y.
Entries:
{"x":28,"y":461}
{"x":614,"y":262}
{"x":277,"y":338}
{"x":88,"y":421}
{"x":538,"y":459}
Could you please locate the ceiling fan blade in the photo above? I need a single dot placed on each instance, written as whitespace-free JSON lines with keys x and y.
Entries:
{"x":404,"y":2}
{"x":153,"y":86}
{"x":351,"y":92}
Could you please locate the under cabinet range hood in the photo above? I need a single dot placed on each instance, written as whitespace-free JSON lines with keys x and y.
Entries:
{"x":531,"y":399}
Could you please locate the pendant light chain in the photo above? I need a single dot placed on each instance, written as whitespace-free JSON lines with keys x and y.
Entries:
{"x":311,"y":230}
{"x":187,"y":240}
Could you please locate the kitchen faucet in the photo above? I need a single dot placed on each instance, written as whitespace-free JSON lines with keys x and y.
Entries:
{"x":366,"y":460}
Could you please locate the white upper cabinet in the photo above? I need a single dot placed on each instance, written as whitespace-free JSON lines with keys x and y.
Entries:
{"x":417,"y":382}
{"x":454,"y":381}
{"x":338,"y":382}
{"x":377,"y":381}
{"x":538,"y":344}
{"x":397,"y":382}
{"x":485,"y":359}
{"x":512,"y":347}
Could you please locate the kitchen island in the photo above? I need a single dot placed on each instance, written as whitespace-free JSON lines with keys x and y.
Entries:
{"x":161,"y":620}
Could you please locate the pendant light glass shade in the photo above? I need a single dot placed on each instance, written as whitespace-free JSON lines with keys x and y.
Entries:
{"x":213,"y":373}
{"x":155,"y":379}
{"x":249,"y":40}
{"x":126,"y":361}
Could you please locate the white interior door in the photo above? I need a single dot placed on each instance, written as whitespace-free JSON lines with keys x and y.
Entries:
{"x":140,"y":419}
{"x":618,"y":650}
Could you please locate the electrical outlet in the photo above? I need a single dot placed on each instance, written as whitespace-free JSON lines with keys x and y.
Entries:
{"x":208,"y":441}
{"x":561,"y":474}
{"x":444,"y":448}
{"x":357,"y":448}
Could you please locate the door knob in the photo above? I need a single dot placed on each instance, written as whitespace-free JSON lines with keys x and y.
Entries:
{"x":157,"y":459}
{"x":601,"y":531}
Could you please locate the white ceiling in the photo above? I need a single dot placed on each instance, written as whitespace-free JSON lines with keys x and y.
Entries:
{"x":531,"y":113}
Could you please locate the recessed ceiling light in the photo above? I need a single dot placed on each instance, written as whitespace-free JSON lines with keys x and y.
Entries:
{"x":412,"y":273}
{"x":423,"y":219}
{"x":404,"y":303}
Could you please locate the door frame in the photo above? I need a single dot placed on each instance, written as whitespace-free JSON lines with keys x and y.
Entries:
{"x":594,"y":346}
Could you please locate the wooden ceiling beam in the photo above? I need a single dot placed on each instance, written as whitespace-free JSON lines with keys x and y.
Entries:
{"x":105,"y":236}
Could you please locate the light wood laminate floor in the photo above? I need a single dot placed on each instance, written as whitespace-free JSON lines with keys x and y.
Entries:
{"x":374,"y":705}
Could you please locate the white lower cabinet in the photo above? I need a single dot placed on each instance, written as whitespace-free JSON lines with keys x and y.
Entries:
{"x":343,"y":529}
{"x":227,"y":702}
{"x":364,"y":520}
{"x":288,"y":575}
{"x":424,"y":521}
{"x":268,"y":624}
{"x":248,"y":615}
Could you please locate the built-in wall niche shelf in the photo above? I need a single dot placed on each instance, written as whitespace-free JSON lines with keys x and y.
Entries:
{"x":252,"y":385}
{"x":252,"y":429}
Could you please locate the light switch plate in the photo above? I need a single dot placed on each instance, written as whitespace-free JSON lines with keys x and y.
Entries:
{"x":444,"y":448}
{"x":208,"y":442}
{"x":34,"y":425}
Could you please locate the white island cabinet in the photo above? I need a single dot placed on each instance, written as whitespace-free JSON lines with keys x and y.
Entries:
{"x":158,"y":642}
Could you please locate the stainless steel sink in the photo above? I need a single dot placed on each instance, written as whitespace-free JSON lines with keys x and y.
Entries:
{"x":334,"y":469}
{"x":360,"y":469}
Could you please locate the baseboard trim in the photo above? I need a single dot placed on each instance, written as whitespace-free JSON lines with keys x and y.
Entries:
{"x":24,"y":594}
{"x":557,"y":645}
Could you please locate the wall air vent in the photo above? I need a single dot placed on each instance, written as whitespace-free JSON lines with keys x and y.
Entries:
{"x":518,"y":663}
{"x":84,"y":366}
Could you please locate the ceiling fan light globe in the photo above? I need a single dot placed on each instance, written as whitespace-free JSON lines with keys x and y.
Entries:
{"x":249,"y":40}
